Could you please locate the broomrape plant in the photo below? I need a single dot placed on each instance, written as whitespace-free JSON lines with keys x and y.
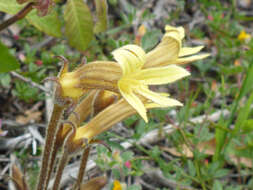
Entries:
{"x":108,"y":92}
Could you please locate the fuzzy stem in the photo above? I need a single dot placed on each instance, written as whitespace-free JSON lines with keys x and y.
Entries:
{"x":21,"y":14}
{"x":50,"y":137}
{"x":82,"y":168}
{"x":83,"y":110}
{"x":61,"y":166}
{"x":52,"y":164}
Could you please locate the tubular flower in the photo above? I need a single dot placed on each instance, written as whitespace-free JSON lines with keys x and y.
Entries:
{"x":95,"y":75}
{"x":170,"y":50}
{"x":135,"y":80}
{"x":105,"y":119}
{"x":92,"y":104}
{"x":104,"y":75}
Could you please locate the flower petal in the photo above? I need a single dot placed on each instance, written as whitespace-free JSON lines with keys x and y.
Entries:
{"x":154,"y":105}
{"x":166,"y":51}
{"x":130,"y":58}
{"x":157,"y":98}
{"x":133,"y":100}
{"x":180,"y":30}
{"x":181,"y":61}
{"x":189,"y":50}
{"x":161,"y":75}
{"x":105,"y":119}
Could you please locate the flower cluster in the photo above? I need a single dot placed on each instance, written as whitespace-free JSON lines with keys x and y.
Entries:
{"x":134,"y":71}
{"x":110,"y":91}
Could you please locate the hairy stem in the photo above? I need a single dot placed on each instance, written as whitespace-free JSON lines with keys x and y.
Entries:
{"x":82,"y":168}
{"x":51,"y":164}
{"x":50,"y":137}
{"x":61,"y":166}
{"x":21,"y":14}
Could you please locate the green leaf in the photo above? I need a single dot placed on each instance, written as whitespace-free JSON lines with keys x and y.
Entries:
{"x":231,"y":70}
{"x":128,"y":155}
{"x":150,"y":39}
{"x":134,"y":187}
{"x":50,"y":24}
{"x":5,"y":79}
{"x":243,"y":115}
{"x":8,"y":61}
{"x":217,"y":185}
{"x":79,"y":24}
{"x":248,"y":126}
{"x":221,"y":173}
{"x":101,"y":9}
{"x":191,"y":168}
{"x":12,"y":7}
{"x":247,"y":83}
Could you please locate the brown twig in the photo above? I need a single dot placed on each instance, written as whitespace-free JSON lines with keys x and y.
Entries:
{"x":34,"y":84}
{"x":21,"y":14}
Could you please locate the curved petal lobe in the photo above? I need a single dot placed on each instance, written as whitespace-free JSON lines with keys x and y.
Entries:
{"x":161,"y":75}
{"x":190,"y":50}
{"x":130,"y":58}
{"x":166,"y":51}
{"x":184,"y":60}
{"x":157,"y":98}
{"x":134,"y":101}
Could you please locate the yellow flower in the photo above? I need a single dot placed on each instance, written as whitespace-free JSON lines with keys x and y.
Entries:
{"x":135,"y":80}
{"x":69,"y":83}
{"x":105,"y":119}
{"x":131,"y":76}
{"x":116,"y":185}
{"x":104,"y":75}
{"x":243,"y":36}
{"x":170,"y":50}
{"x":95,"y":75}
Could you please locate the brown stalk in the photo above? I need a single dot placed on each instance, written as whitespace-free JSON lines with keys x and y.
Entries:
{"x":82,"y":110}
{"x":52,"y":164}
{"x":50,"y":136}
{"x":21,"y":14}
{"x":82,"y":168}
{"x":67,"y":150}
{"x":61,"y":166}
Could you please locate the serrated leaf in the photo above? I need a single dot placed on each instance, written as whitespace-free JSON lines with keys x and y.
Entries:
{"x":101,"y":10}
{"x":8,"y":62}
{"x":79,"y":24}
{"x":50,"y":24}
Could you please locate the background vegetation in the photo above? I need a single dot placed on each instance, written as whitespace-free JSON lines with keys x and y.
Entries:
{"x":207,"y":144}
